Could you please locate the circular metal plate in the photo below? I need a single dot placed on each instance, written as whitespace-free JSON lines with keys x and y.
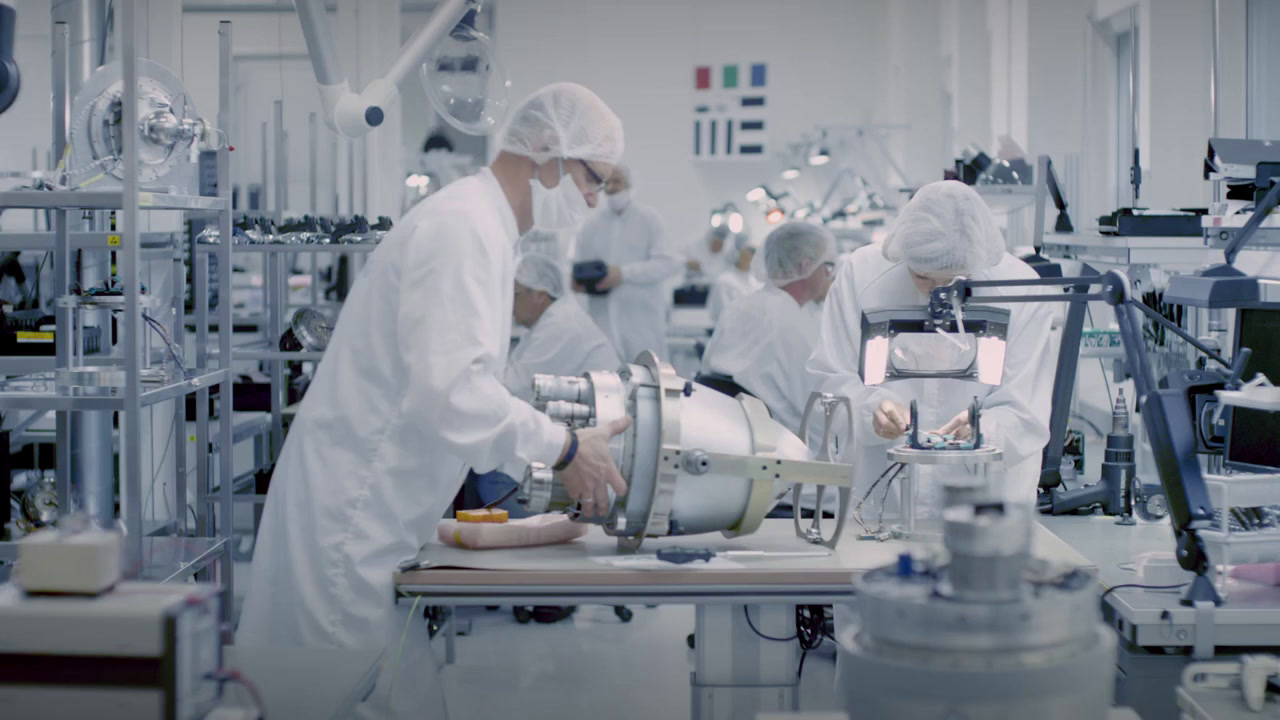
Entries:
{"x":95,"y":122}
{"x":912,"y":456}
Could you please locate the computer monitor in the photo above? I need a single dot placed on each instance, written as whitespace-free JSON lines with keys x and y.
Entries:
{"x":1253,"y":436}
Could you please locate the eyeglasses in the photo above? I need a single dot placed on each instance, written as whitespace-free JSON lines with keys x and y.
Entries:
{"x":600,"y":184}
{"x":830,"y":265}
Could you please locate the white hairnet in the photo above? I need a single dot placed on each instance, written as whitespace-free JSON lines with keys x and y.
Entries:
{"x":946,"y":228}
{"x":795,"y":250}
{"x":564,"y":120}
{"x":539,"y":272}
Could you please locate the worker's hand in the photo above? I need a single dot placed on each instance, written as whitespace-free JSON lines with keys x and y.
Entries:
{"x":592,"y":472}
{"x":694,"y":265}
{"x":579,"y":287}
{"x":958,"y":426}
{"x":890,"y":420}
{"x":612,"y":280}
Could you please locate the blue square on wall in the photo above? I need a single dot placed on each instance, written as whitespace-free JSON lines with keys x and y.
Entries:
{"x":757,"y":75}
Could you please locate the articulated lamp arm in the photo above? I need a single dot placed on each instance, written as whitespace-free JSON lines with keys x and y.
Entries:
{"x":1165,"y":413}
{"x":354,"y":114}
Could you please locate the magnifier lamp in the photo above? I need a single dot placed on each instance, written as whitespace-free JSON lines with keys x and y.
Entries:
{"x":979,"y":334}
{"x":455,"y":62}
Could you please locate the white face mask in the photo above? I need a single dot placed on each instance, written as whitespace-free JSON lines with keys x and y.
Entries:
{"x":560,"y":207}
{"x":620,"y":201}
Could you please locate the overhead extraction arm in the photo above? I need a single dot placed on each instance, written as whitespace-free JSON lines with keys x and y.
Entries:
{"x":354,"y":114}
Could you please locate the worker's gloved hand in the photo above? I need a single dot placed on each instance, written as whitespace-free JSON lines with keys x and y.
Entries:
{"x":592,"y":472}
{"x":612,"y":280}
{"x":890,"y":420}
{"x":957,"y":426}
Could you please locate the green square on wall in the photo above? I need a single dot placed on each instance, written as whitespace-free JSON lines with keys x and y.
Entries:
{"x":730,"y":76}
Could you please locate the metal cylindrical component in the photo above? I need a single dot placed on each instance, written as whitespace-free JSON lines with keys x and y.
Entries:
{"x":542,"y":492}
{"x":569,"y":412}
{"x":696,"y":462}
{"x":989,"y":546}
{"x":547,"y":388}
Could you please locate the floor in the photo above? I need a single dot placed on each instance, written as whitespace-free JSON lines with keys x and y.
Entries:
{"x":590,"y":665}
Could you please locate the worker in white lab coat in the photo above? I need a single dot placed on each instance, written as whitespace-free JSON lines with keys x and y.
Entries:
{"x":738,"y":281}
{"x":764,"y":340}
{"x":409,"y":395}
{"x":628,"y":237}
{"x":945,"y":231}
{"x":562,"y":339}
{"x":710,"y":256}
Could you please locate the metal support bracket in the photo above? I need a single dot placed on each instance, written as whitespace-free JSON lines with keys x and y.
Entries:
{"x":764,"y":442}
{"x":1203,"y":645}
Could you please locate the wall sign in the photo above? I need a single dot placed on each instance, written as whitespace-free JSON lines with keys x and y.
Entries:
{"x":729,"y":111}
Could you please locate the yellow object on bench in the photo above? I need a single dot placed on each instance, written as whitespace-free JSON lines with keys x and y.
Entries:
{"x":493,"y":515}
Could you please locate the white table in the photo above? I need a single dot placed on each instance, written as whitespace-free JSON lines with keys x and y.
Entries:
{"x":736,"y":672}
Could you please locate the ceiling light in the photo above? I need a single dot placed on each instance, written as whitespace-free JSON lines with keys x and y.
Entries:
{"x":756,"y":194}
{"x":735,"y":222}
{"x":717,"y":218}
{"x":791,"y":173}
{"x":774,"y":216}
{"x":821,"y":156}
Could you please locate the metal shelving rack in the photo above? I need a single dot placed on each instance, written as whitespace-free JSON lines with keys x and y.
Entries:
{"x":275,"y":284}
{"x":176,"y":557}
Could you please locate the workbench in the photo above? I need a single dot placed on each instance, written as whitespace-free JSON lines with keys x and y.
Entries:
{"x":1158,"y":634}
{"x":737,"y":673}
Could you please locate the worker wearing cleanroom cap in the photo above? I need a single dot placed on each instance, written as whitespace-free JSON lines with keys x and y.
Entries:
{"x":409,"y":395}
{"x":944,"y":232}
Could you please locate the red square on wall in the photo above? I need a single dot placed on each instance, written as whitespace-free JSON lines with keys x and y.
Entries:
{"x":702,"y":78}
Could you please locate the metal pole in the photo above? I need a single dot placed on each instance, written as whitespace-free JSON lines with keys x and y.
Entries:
{"x":180,"y":404}
{"x":1135,"y":171}
{"x":226,"y":406}
{"x":1213,"y":91}
{"x":131,"y":424}
{"x":312,"y":205}
{"x":1042,"y":198}
{"x":266,"y":150}
{"x":61,"y":265}
{"x":280,"y":178}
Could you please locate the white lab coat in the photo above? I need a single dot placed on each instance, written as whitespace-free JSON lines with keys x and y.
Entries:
{"x":728,"y":287}
{"x":763,"y":342}
{"x":564,"y":341}
{"x":407,"y":397}
{"x":1015,"y":414}
{"x":711,"y":264}
{"x":634,"y":314}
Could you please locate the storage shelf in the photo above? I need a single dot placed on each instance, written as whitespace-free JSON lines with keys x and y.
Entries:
{"x":172,"y":559}
{"x":40,"y":392}
{"x":291,"y":247}
{"x":26,"y":365}
{"x":261,"y":350}
{"x":1123,"y":250}
{"x":155,"y":245}
{"x":106,"y":200}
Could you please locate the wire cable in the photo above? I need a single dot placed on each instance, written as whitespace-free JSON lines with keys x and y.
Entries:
{"x":746,"y":613}
{"x":413,"y":611}
{"x":1114,"y":588}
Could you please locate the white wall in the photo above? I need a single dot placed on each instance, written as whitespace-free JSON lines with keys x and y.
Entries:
{"x":828,"y":63}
